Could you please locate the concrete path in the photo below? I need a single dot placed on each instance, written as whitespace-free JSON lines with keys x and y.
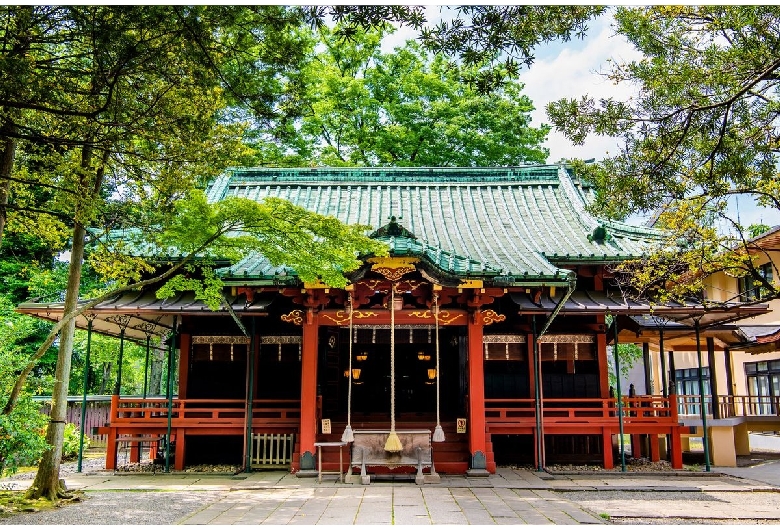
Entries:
{"x":509,"y":497}
{"x":767,"y":472}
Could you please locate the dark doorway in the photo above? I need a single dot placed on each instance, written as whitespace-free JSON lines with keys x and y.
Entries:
{"x":415,"y":374}
{"x":217,"y":371}
{"x":214,"y":450}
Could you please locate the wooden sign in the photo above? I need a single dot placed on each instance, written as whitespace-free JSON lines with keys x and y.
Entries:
{"x":326,"y":426}
{"x":461,"y":425}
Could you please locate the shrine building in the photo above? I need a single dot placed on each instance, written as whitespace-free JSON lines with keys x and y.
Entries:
{"x":486,"y":329}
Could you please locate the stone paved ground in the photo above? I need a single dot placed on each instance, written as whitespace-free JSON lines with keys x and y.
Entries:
{"x":511,"y":496}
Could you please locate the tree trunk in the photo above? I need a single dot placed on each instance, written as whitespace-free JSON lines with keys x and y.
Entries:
{"x":106,"y":378}
{"x":47,"y":480}
{"x":157,"y":357}
{"x":6,"y":168}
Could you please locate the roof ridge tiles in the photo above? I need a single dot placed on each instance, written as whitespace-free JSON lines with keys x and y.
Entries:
{"x":409,"y":175}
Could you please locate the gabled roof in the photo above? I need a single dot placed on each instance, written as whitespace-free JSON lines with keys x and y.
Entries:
{"x":515,"y":224}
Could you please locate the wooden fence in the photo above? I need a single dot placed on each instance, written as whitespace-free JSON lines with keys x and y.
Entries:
{"x":98,"y":414}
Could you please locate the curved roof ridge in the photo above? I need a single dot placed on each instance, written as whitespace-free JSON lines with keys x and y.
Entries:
{"x":580,"y":203}
{"x":576,"y":199}
{"x":218,"y":188}
{"x":631,"y":229}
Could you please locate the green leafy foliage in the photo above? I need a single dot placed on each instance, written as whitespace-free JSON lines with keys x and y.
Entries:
{"x":702,"y":128}
{"x":22,"y":440}
{"x":756,"y":230}
{"x":405,"y":108}
{"x":70,"y":445}
{"x":21,"y":432}
{"x":495,"y":39}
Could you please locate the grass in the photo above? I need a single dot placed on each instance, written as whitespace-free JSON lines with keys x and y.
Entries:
{"x":604,"y":516}
{"x":13,"y":501}
{"x":21,"y":469}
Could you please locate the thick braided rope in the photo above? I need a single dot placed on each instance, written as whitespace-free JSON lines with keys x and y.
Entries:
{"x":392,"y":357}
{"x":349,"y":390}
{"x":438,"y":432}
{"x":438,"y":373}
{"x":393,"y":443}
{"x":348,"y":435}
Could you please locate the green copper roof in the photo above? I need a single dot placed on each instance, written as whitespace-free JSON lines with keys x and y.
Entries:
{"x":520,"y":222}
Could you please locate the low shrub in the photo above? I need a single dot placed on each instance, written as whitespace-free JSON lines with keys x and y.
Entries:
{"x":22,"y":436}
{"x":70,"y":443}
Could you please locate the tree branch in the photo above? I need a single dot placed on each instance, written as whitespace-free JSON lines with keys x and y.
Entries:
{"x":41,"y":351}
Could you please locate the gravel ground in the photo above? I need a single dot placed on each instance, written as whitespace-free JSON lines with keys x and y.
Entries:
{"x":121,"y":507}
{"x":114,"y":507}
{"x":681,"y":521}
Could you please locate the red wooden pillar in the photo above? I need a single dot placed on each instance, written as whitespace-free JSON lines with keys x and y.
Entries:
{"x":655,"y":450}
{"x":601,"y":337}
{"x":636,"y":445}
{"x":308,"y":428}
{"x":477,"y":438}
{"x":112,"y":435}
{"x":178,"y":464}
{"x":185,"y":341}
{"x":601,"y":355}
{"x":135,"y":452}
{"x":606,"y":437}
{"x":529,"y":341}
{"x":676,"y":449}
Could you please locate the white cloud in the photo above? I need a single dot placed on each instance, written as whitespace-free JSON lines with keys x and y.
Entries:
{"x":573,"y":73}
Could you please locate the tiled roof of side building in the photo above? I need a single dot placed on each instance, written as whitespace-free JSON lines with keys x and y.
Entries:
{"x":521,"y":222}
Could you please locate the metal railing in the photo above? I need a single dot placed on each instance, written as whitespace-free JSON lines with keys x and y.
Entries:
{"x":730,"y":406}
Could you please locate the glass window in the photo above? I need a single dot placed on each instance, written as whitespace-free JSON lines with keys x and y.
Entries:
{"x":751,"y":289}
{"x":763,"y":380}
{"x":687,"y":383}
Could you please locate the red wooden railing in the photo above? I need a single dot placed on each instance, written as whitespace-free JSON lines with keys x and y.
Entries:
{"x":153,"y":412}
{"x":638,"y":409}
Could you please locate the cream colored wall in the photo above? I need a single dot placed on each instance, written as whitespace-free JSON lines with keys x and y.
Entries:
{"x":722,"y":287}
{"x":773,"y":317}
{"x":739,"y":360}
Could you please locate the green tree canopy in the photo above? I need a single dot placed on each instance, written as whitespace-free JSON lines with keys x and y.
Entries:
{"x":406,"y":108}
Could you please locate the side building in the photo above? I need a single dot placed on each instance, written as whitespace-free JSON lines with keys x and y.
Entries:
{"x":740,"y":361}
